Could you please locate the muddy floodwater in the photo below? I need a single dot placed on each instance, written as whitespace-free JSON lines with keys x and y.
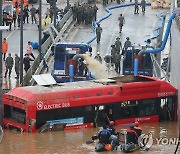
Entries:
{"x":74,"y":141}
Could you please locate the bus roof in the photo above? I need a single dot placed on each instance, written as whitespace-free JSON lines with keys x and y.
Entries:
{"x":125,"y":86}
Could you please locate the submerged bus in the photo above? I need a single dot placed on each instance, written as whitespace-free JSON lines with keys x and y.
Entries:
{"x":91,"y":103}
{"x":145,"y":63}
{"x":63,"y":57}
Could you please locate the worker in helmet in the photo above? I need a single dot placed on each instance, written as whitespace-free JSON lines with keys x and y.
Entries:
{"x":111,"y":128}
{"x":137,"y":128}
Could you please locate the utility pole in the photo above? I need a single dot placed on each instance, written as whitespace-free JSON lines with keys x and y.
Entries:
{"x":40,"y":29}
{"x":0,"y":64}
{"x":55,"y":12}
{"x":21,"y":45}
{"x":68,"y":5}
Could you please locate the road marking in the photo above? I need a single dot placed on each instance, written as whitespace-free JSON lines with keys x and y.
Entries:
{"x":11,"y":34}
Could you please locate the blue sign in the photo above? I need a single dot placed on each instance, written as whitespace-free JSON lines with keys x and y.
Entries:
{"x":69,"y":121}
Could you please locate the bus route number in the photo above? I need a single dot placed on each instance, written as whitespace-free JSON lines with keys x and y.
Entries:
{"x":65,"y":105}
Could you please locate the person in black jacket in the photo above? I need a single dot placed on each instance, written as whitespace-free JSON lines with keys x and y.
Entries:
{"x":26,"y":61}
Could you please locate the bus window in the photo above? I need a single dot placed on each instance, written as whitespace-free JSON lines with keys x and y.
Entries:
{"x":148,"y":107}
{"x":14,"y":114}
{"x":85,"y":112}
{"x":128,"y":109}
{"x":167,"y":109}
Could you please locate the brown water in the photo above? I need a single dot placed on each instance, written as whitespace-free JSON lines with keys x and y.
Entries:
{"x":74,"y":141}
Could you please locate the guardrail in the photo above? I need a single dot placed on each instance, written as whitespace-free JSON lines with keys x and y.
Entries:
{"x":37,"y":66}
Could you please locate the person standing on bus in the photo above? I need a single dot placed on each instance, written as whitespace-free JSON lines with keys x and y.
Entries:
{"x":33,"y":12}
{"x":9,"y":64}
{"x":121,"y":22}
{"x":29,"y":49}
{"x":98,"y":33}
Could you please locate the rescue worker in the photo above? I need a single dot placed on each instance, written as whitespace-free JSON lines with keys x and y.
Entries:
{"x":137,"y":128}
{"x":98,"y":33}
{"x":104,"y":135}
{"x":17,"y":64}
{"x":9,"y":64}
{"x":98,"y":57}
{"x":29,"y":49}
{"x":121,"y":22}
{"x":113,"y":53}
{"x":117,"y":62}
{"x":143,"y":6}
{"x":111,"y":128}
{"x":4,"y":48}
{"x":95,"y":9}
{"x":136,"y":7}
{"x":26,"y":61}
{"x":118,"y":44}
{"x":127,"y":44}
{"x":132,"y":136}
{"x":74,"y":11}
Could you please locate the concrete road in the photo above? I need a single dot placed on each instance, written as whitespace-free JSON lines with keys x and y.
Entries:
{"x":138,"y":27}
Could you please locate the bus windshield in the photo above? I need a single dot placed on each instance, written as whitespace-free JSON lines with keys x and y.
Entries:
{"x":14,"y":114}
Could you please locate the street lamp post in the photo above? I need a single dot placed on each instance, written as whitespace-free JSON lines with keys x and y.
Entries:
{"x":21,"y":45}
{"x":40,"y":29}
{"x":55,"y":12}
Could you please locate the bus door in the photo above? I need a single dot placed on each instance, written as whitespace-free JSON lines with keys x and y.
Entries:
{"x":101,"y":117}
{"x":167,"y":110}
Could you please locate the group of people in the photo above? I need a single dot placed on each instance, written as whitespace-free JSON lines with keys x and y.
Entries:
{"x":9,"y":61}
{"x":136,"y":6}
{"x":84,"y":13}
{"x":109,"y":136}
{"x":15,"y":18}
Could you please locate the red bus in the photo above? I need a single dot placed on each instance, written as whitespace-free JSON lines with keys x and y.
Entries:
{"x":84,"y":104}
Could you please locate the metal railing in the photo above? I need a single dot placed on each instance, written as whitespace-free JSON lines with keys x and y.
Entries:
{"x":37,"y":65}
